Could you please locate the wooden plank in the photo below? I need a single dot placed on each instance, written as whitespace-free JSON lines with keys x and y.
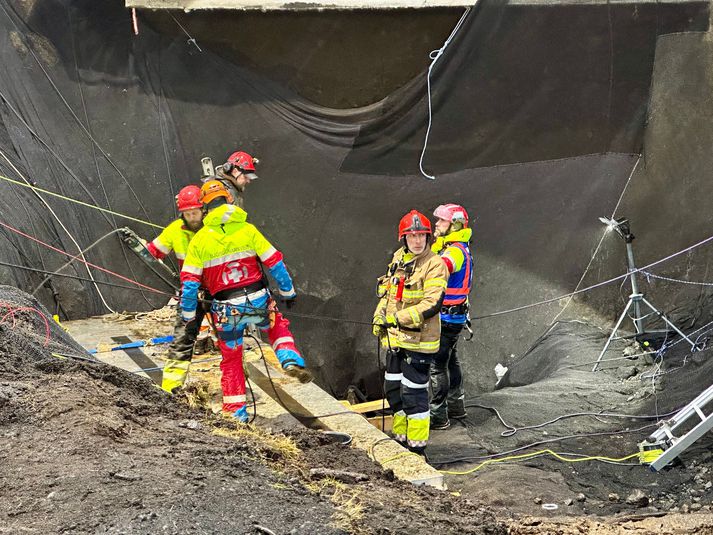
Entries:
{"x":294,"y":5}
{"x":92,"y":332}
{"x":367,"y":406}
{"x":314,"y":406}
{"x":307,"y":400}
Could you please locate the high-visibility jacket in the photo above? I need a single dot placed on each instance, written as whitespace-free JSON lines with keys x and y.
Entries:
{"x":456,"y":254}
{"x":175,"y":237}
{"x":413,"y":290}
{"x":226,"y":254}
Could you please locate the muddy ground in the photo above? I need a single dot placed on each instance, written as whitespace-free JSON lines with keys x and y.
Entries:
{"x":89,"y":448}
{"x":555,"y":379}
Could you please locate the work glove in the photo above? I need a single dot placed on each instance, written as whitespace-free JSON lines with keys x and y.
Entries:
{"x":382,"y":322}
{"x":137,"y":244}
{"x":128,"y":236}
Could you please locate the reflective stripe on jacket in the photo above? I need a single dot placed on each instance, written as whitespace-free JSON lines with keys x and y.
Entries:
{"x":416,"y":302}
{"x":226,"y":254}
{"x":458,"y":257}
{"x":175,"y":237}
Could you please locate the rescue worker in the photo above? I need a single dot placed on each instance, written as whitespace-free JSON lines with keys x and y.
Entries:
{"x":452,"y":245}
{"x":235,"y":174}
{"x":176,"y":237}
{"x":407,"y":321}
{"x":226,"y":256}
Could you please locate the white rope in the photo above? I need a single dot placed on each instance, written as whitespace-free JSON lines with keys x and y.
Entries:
{"x":601,"y":240}
{"x":191,"y":40}
{"x":681,"y":281}
{"x":599,"y":284}
{"x":435,"y":56}
{"x":96,"y":287}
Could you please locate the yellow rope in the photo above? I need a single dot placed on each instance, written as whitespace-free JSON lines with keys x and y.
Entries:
{"x":525,"y":456}
{"x":17,"y":182}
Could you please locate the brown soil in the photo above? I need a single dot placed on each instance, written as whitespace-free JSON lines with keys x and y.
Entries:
{"x":88,"y":448}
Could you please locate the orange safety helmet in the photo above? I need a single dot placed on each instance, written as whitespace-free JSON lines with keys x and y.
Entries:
{"x":414,"y":223}
{"x":189,"y":198}
{"x":213,"y":189}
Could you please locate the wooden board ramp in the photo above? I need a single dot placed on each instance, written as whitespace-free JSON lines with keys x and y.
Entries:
{"x":101,"y":331}
{"x":383,"y":422}
{"x":316,"y":408}
{"x":313,"y":406}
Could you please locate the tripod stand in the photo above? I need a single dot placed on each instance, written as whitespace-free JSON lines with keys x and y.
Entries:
{"x":636,"y":299}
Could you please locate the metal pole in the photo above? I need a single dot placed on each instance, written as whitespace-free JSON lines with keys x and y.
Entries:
{"x":635,"y":295}
{"x":670,"y":324}
{"x":612,"y":335}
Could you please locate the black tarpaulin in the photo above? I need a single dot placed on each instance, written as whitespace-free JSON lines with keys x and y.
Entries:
{"x":536,"y":117}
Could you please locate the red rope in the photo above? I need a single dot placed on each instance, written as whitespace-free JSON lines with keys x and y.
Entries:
{"x":24,"y":235}
{"x":12,"y":311}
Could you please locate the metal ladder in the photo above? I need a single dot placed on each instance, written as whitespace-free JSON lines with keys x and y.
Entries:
{"x":673,"y":446}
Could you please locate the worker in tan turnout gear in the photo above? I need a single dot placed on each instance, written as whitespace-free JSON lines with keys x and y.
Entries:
{"x":407,"y":320}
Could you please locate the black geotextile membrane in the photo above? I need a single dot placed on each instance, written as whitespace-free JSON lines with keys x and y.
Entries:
{"x":537,"y":111}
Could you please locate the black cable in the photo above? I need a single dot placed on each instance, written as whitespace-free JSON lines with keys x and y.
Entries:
{"x":295,"y":414}
{"x":72,"y":259}
{"x":251,"y":308}
{"x":252,"y":394}
{"x":44,"y":271}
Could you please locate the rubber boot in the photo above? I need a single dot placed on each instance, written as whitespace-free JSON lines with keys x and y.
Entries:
{"x":293,"y":365}
{"x":456,"y":409}
{"x":440,"y":425}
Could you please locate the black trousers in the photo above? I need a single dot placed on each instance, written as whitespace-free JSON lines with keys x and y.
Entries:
{"x":447,"y":376}
{"x":406,"y":388}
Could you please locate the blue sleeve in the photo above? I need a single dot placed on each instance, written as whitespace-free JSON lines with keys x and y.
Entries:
{"x":284,"y":281}
{"x":189,"y":300}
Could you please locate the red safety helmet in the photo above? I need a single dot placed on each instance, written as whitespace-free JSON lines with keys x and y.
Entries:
{"x":414,"y":223}
{"x":189,"y":198}
{"x":243,"y":162}
{"x":453,"y":213}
